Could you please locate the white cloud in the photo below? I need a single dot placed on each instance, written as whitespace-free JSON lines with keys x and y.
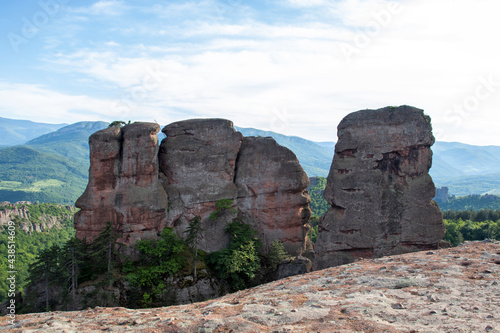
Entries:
{"x":103,"y":7}
{"x":307,"y":3}
{"x":282,"y":76}
{"x":38,"y":103}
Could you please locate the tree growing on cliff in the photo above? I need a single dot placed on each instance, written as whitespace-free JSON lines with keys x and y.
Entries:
{"x":222,"y":206}
{"x":102,"y":249}
{"x":239,"y":263}
{"x":158,"y":260}
{"x":193,"y":232}
{"x":118,"y":123}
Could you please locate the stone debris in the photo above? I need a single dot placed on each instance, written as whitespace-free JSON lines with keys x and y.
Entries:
{"x":413,"y":292}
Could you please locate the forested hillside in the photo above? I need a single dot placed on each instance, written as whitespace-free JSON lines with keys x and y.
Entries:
{"x":471,"y":202}
{"x":51,"y":168}
{"x":28,"y":245}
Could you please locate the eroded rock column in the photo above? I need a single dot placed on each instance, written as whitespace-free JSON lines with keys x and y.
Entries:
{"x":379,"y":188}
{"x":272,"y":194}
{"x":197,"y":160}
{"x":123,"y":187}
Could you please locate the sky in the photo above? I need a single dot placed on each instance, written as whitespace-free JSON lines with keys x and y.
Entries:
{"x":295,"y":67}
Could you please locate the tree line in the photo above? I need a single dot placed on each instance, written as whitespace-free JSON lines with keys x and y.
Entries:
{"x":469,"y":225}
{"x":99,"y":269}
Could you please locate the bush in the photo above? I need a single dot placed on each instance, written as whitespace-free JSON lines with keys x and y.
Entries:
{"x":159,"y":259}
{"x":239,"y":263}
{"x":222,"y":206}
{"x":277,"y":254}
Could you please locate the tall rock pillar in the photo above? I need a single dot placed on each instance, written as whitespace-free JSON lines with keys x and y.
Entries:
{"x":123,"y":187}
{"x":379,"y":188}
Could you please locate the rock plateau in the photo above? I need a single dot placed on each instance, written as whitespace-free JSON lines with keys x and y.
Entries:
{"x":452,"y":290}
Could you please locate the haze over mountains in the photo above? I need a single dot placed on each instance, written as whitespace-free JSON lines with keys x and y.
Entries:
{"x":49,"y":162}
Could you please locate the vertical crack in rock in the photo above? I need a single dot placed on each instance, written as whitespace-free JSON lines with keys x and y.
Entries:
{"x":379,"y":188}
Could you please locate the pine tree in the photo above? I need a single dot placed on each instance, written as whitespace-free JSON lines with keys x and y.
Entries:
{"x":74,"y":256}
{"x":102,"y":249}
{"x":193,"y":232}
{"x":45,"y":271}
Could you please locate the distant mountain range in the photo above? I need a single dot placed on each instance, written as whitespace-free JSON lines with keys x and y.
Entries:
{"x":18,"y":132}
{"x":49,"y":162}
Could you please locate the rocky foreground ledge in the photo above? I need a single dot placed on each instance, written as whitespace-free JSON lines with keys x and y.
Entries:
{"x":451,"y":290}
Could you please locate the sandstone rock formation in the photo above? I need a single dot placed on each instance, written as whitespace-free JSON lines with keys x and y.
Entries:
{"x":379,"y":188}
{"x":271,"y":192}
{"x":141,"y":188}
{"x":8,"y":214}
{"x":198,"y":159}
{"x":124,"y":186}
{"x":452,"y":290}
{"x":28,"y":224}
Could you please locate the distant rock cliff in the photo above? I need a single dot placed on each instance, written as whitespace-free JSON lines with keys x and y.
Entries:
{"x":379,"y":188}
{"x":27,"y":223}
{"x":142,"y":188}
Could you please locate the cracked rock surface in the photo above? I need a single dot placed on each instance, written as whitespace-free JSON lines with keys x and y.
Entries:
{"x":451,"y":290}
{"x":379,"y":188}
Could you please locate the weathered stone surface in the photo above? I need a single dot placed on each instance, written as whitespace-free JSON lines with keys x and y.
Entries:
{"x":272,"y":194}
{"x":436,"y":292}
{"x":124,"y":187}
{"x":294,"y":266}
{"x":141,"y":189}
{"x":198,"y":159}
{"x":28,"y":224}
{"x":379,"y":188}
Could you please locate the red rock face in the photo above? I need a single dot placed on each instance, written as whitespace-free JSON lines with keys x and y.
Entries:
{"x":272,"y":192}
{"x":124,"y":187}
{"x":379,"y":188}
{"x":141,"y":189}
{"x":205,"y":160}
{"x":198,"y":159}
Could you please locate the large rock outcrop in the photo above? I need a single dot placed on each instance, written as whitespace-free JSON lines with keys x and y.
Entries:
{"x":124,"y":186}
{"x":379,"y":188}
{"x":271,"y":192}
{"x":141,"y":188}
{"x":198,"y":159}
